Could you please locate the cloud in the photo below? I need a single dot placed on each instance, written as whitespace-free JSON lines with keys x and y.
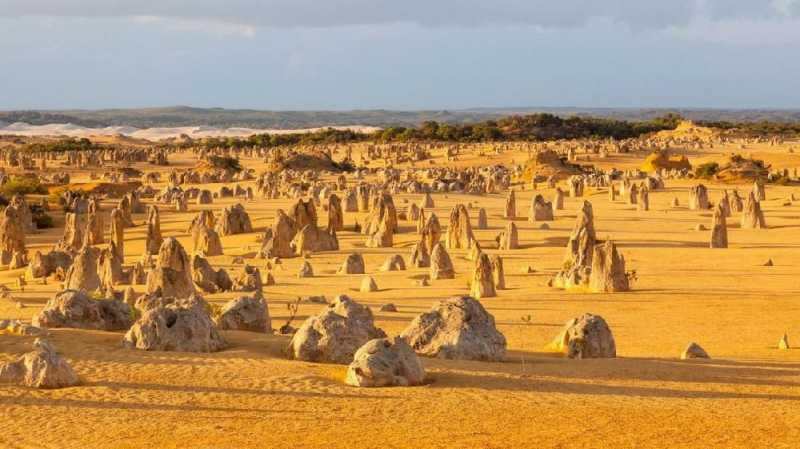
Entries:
{"x":637,"y":14}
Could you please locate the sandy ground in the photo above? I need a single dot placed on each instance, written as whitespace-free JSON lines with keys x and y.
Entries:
{"x":250,"y":395}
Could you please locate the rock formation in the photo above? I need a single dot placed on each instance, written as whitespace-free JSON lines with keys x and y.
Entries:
{"x":385,"y":363}
{"x":245,"y":314}
{"x":456,"y":328}
{"x":459,"y":231}
{"x":75,"y":309}
{"x":335,"y":334}
{"x":40,"y":368}
{"x":441,"y":265}
{"x":586,"y":337}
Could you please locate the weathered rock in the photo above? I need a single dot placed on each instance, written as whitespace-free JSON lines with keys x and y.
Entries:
{"x":393,"y":263}
{"x":368,"y":285}
{"x":83,"y":274}
{"x":511,"y":206}
{"x":353,"y":264}
{"x":335,"y":334}
{"x":75,"y":309}
{"x":719,"y":228}
{"x":118,"y":232}
{"x":419,"y":256}
{"x":43,"y":265}
{"x":456,"y":328}
{"x":483,"y":220}
{"x":694,"y":351}
{"x":12,"y":235}
{"x":306,"y":271}
{"x":441,"y":265}
{"x":208,"y":279}
{"x":498,"y":273}
{"x":172,"y":275}
{"x":508,"y":239}
{"x":580,"y":249}
{"x":752,"y":215}
{"x":249,"y":280}
{"x":245,"y":314}
{"x":234,"y":220}
{"x":109,"y":268}
{"x":459,"y":231}
{"x":72,"y":239}
{"x":608,"y":270}
{"x":586,"y":337}
{"x":40,"y":368}
{"x":183,"y":326}
{"x":482,"y":284}
{"x":206,"y":241}
{"x":335,"y":214}
{"x":431,"y":232}
{"x":698,"y":197}
{"x":153,"y":239}
{"x":303,"y":213}
{"x":311,"y":239}
{"x":385,"y":363}
{"x":541,"y":210}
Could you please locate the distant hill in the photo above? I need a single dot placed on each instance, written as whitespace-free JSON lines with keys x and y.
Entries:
{"x":179,"y":116}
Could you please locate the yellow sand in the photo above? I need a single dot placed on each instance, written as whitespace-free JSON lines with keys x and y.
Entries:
{"x":747,"y":396}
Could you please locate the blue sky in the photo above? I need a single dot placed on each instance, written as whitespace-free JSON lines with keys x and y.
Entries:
{"x":379,"y":54}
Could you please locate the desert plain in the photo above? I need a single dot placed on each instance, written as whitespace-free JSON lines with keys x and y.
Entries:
{"x":728,"y":300}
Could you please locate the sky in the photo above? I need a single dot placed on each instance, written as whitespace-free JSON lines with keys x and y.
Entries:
{"x":392,"y":54}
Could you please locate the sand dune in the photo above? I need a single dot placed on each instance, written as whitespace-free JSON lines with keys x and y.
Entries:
{"x":153,"y":134}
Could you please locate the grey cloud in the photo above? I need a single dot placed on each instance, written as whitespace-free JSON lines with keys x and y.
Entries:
{"x":334,"y":13}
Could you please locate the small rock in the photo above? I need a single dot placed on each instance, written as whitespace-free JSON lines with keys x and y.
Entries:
{"x":694,"y":351}
{"x":544,"y":226}
{"x":699,"y":227}
{"x":768,"y":263}
{"x":388,"y":308}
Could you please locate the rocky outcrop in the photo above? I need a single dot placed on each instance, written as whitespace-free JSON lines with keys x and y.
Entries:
{"x":353,"y":264}
{"x":419,"y":257}
{"x":40,"y":368}
{"x":182,"y":326}
{"x":459,"y":231}
{"x":172,"y":275}
{"x":12,"y":237}
{"x":385,"y":362}
{"x":153,"y":239}
{"x":752,"y":215}
{"x":586,"y":337}
{"x":580,"y":249}
{"x":719,"y":228}
{"x":335,"y":334}
{"x":245,"y":314}
{"x":75,"y":309}
{"x":207,"y":278}
{"x":234,"y":220}
{"x":206,"y":241}
{"x":698,"y":197}
{"x":608,"y":270}
{"x":541,"y":209}
{"x":456,"y":328}
{"x":248,"y":280}
{"x":393,"y":263}
{"x":441,"y":265}
{"x":83,"y":274}
{"x":482,"y":283}
{"x":311,"y":239}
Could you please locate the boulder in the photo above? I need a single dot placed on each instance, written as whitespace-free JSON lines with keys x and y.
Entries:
{"x":245,"y":314}
{"x":335,"y":334}
{"x":694,"y":351}
{"x":385,"y":362}
{"x":40,"y":368}
{"x":541,"y":209}
{"x":393,"y":263}
{"x":206,"y":241}
{"x":208,"y":279}
{"x":183,"y":326}
{"x":234,"y":220}
{"x":75,"y":309}
{"x":249,"y":280}
{"x":419,"y":256}
{"x":83,"y":274}
{"x":353,"y":264}
{"x":456,"y":328}
{"x":586,"y":337}
{"x":368,"y":285}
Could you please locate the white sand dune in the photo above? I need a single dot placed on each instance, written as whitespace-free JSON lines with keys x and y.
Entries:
{"x":153,"y":134}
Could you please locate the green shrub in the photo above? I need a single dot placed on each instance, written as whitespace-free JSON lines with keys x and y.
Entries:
{"x":706,"y":170}
{"x":225,"y":163}
{"x":22,"y":186}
